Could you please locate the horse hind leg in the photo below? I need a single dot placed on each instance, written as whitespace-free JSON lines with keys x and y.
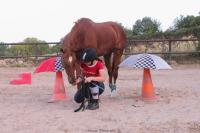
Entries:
{"x":108,"y":63}
{"x":115,"y":65}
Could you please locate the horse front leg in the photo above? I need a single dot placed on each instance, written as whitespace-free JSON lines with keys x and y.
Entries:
{"x":78,"y":73}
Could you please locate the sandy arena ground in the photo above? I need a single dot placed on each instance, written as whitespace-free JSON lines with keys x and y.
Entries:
{"x":24,"y":108}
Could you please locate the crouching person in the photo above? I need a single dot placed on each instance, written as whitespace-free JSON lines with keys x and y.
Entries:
{"x":93,"y":70}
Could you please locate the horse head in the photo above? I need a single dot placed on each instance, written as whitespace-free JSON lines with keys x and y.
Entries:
{"x":69,"y":60}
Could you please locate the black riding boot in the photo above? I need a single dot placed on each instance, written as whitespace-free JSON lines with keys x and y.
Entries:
{"x":89,"y":103}
{"x":93,"y":104}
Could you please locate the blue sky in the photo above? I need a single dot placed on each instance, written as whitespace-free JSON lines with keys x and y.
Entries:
{"x":50,"y":20}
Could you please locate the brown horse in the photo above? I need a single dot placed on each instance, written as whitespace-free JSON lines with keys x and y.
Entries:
{"x":107,"y":38}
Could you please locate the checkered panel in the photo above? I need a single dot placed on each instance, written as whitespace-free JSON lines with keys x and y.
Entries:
{"x":58,"y":65}
{"x":145,"y":62}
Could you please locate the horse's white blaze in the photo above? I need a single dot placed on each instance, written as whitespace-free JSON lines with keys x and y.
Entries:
{"x":70,"y":59}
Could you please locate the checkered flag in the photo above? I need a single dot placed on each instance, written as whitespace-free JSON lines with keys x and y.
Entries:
{"x":145,"y":62}
{"x":58,"y":64}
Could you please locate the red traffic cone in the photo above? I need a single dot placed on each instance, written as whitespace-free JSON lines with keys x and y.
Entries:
{"x":59,"y":89}
{"x":148,"y":93}
{"x":25,"y":78}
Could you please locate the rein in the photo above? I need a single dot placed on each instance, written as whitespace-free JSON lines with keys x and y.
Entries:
{"x":84,"y":90}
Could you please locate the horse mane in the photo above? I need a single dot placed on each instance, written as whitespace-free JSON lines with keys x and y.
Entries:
{"x":78,"y":30}
{"x":82,"y":21}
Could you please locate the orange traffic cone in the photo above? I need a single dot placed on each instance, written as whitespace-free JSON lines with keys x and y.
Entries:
{"x":147,"y":86}
{"x":59,"y":89}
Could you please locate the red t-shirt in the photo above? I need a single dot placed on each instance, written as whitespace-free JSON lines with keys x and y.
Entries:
{"x":93,"y":70}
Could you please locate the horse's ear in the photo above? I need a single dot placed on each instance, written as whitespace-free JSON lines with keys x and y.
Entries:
{"x":75,"y":23}
{"x":61,"y":50}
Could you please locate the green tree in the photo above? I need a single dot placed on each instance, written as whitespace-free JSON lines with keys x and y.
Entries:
{"x":189,"y":25}
{"x":186,"y":22}
{"x":17,"y":50}
{"x":181,"y":22}
{"x":27,"y":49}
{"x":3,"y":49}
{"x":55,"y":49}
{"x":36,"y":49}
{"x":147,"y":26}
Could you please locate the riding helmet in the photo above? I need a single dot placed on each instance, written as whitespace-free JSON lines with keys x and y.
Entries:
{"x":89,"y":54}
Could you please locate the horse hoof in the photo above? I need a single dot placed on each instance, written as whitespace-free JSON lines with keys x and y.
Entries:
{"x":113,"y":93}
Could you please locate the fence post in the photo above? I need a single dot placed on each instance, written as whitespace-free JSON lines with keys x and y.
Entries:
{"x":36,"y":54}
{"x":170,"y":50}
{"x":27,"y":56}
{"x":146,"y":49}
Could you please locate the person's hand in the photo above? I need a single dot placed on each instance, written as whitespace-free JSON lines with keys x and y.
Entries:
{"x":88,"y":79}
{"x":78,"y":80}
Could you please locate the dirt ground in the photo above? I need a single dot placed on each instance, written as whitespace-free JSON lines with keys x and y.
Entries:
{"x":24,"y":108}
